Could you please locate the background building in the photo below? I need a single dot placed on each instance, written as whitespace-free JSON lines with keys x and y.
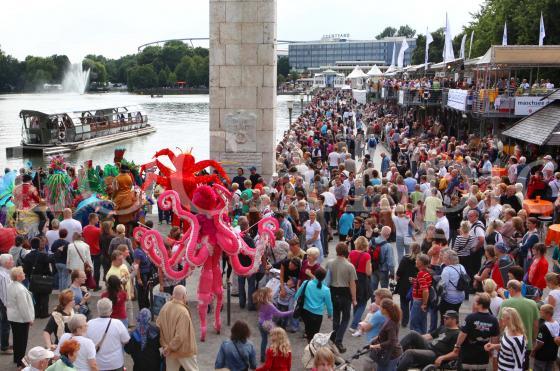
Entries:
{"x":328,"y":51}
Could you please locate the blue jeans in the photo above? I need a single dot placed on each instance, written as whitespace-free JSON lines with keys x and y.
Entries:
{"x":264,"y":341}
{"x":358,"y":311}
{"x":433,"y":319}
{"x":389,"y":366}
{"x":63,"y":276}
{"x":402,"y":249}
{"x":379,"y":278}
{"x":418,"y":318}
{"x":4,"y":328}
{"x":246,"y":297}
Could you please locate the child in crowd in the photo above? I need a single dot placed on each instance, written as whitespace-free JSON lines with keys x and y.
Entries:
{"x":279,"y":353}
{"x":262,"y":298}
{"x":324,"y":360}
{"x":545,"y":350}
{"x":286,"y":302}
{"x":371,"y":311}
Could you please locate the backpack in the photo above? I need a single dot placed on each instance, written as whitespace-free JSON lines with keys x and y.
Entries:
{"x":375,"y":253}
{"x":372,"y":143}
{"x":464,"y":281}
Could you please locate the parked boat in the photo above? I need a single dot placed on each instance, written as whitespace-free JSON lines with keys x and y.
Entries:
{"x":52,"y":133}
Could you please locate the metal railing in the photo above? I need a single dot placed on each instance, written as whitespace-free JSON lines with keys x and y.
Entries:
{"x":420,"y":96}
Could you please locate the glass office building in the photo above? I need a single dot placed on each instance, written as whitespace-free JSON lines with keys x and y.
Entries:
{"x":327,"y":52}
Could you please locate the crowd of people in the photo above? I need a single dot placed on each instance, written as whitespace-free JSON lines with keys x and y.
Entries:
{"x":384,"y":223}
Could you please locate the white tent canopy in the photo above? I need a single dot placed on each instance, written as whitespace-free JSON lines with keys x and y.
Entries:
{"x":357,"y":74}
{"x":375,"y":71}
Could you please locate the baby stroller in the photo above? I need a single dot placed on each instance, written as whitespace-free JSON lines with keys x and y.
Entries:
{"x":324,"y":340}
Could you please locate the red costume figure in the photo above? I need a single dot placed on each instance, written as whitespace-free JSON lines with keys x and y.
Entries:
{"x":208,"y":234}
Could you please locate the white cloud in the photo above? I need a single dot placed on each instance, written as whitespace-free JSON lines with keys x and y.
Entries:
{"x":117,"y":27}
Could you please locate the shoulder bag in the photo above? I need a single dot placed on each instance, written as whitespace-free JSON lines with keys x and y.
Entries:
{"x":90,"y":281}
{"x":298,"y":310}
{"x":40,"y":283}
{"x":98,"y":345}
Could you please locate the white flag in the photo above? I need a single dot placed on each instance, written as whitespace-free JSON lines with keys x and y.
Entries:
{"x":404,"y":47}
{"x":504,"y":37}
{"x":462,"y":53}
{"x":470,"y":45}
{"x":542,"y":34}
{"x":429,"y":40}
{"x":393,"y":59}
{"x":448,"y":54}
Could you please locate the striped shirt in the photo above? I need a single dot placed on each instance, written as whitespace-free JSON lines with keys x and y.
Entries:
{"x":422,"y":282}
{"x":512,"y":352}
{"x":462,"y":245}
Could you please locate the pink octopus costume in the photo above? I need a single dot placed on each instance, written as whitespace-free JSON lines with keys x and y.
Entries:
{"x":209,"y":234}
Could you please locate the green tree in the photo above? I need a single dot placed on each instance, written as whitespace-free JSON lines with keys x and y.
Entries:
{"x":294,"y":75}
{"x":149,"y":54}
{"x":62,"y":64}
{"x":142,"y":77}
{"x":406,"y":30}
{"x":435,"y":51}
{"x":163,"y":76}
{"x":10,"y":73}
{"x":182,"y":69}
{"x":98,"y":72}
{"x":387,"y":32}
{"x":281,"y":80}
{"x":172,"y":53}
{"x":171,"y":79}
{"x":283,"y":66}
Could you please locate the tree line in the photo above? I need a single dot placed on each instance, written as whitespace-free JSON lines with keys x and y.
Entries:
{"x":155,"y":66}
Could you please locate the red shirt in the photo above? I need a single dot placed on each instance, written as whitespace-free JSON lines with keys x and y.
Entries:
{"x":359,"y":260}
{"x":537,"y":271}
{"x":7,"y":239}
{"x":276,"y":362}
{"x":305,"y":266}
{"x":91,"y":235}
{"x":422,"y":282}
{"x":119,"y":309}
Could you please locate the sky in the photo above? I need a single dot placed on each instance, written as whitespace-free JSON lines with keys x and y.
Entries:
{"x":117,"y":27}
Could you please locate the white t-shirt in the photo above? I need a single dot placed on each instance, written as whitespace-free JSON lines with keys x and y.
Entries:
{"x":556,"y":295}
{"x":333,"y":158}
{"x":310,"y":229}
{"x":72,"y":226}
{"x":495,"y":304}
{"x":51,"y":237}
{"x":110,"y":355}
{"x":401,"y":226}
{"x":86,"y":352}
{"x":443,"y":223}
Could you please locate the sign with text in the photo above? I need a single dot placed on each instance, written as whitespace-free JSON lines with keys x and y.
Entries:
{"x":457,"y":98}
{"x":527,"y":105}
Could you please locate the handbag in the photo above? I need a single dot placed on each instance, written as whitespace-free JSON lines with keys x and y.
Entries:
{"x":40,"y":283}
{"x":298,"y":310}
{"x":90,"y":281}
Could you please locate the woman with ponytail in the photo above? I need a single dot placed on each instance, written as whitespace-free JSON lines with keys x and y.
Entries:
{"x":385,"y":348}
{"x":316,"y":296}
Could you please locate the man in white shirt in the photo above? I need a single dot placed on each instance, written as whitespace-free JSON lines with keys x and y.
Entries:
{"x":334,"y":160}
{"x":548,"y":168}
{"x":6,"y":264}
{"x":442,"y":222}
{"x":71,"y":225}
{"x":38,"y":359}
{"x":109,"y":335}
{"x":52,"y":235}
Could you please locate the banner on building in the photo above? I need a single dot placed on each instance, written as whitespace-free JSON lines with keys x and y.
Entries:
{"x":457,"y":98}
{"x":526,"y":105}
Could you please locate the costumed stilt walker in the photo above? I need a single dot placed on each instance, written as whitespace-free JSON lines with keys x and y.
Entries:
{"x":208,"y":231}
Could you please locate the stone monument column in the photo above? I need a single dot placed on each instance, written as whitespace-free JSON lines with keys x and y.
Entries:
{"x":243,"y":85}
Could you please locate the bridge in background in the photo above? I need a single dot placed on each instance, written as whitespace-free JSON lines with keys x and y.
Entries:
{"x":191,"y":39}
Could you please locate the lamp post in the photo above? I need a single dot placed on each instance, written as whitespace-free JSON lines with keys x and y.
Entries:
{"x":301,"y":100}
{"x":290,"y":105}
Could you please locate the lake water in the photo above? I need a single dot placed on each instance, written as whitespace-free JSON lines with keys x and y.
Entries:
{"x":181,"y":121}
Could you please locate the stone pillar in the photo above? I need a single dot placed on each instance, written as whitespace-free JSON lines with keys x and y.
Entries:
{"x":243,"y":84}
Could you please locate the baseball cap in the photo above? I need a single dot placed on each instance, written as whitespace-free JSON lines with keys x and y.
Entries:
{"x":451,"y":314}
{"x":500,"y":246}
{"x":39,"y":353}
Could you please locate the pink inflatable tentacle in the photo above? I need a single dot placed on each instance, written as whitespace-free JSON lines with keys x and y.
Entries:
{"x":170,"y":200}
{"x":150,"y":240}
{"x":226,"y":236}
{"x":188,"y":240}
{"x":268,"y":226}
{"x":195,"y":256}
